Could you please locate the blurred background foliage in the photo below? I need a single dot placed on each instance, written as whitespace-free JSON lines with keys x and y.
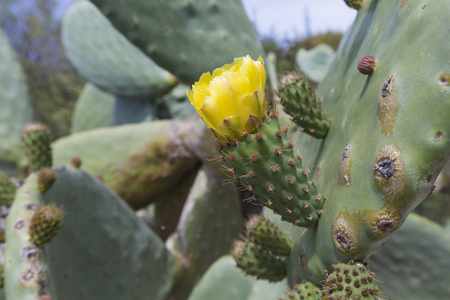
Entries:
{"x":33,"y":27}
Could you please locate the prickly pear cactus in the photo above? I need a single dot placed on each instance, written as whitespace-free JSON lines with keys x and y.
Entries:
{"x":379,"y":160}
{"x":179,"y":34}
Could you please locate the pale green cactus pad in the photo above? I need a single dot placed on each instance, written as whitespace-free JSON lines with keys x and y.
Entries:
{"x":16,"y":110}
{"x":107,"y":59}
{"x":315,"y":62}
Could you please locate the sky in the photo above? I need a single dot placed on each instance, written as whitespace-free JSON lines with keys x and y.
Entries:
{"x":284,"y":19}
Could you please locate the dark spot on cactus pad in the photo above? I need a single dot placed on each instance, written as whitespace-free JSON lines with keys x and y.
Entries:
{"x":443,"y":79}
{"x":19,"y":224}
{"x":390,"y":174}
{"x":387,"y":225}
{"x":345,"y":235}
{"x":31,"y":206}
{"x":385,"y":167}
{"x":438,"y":136}
{"x":423,"y":7}
{"x":28,"y":275}
{"x":343,"y":240}
{"x":403,"y":3}
{"x":388,"y":105}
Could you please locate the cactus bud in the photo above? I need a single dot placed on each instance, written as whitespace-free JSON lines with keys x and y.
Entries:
{"x":367,"y":64}
{"x":44,"y":225}
{"x":36,"y":140}
{"x":76,"y":162}
{"x":45,"y":179}
{"x":356,"y":4}
{"x":7,"y":190}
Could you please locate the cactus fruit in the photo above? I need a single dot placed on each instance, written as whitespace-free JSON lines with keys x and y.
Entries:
{"x":75,"y":162}
{"x":254,"y":260}
{"x":44,"y":225}
{"x":300,"y":101}
{"x":45,"y":179}
{"x":263,"y":232}
{"x":36,"y":143}
{"x":7,"y":190}
{"x":351,"y":280}
{"x":367,"y":65}
{"x":304,"y":291}
{"x":356,"y":4}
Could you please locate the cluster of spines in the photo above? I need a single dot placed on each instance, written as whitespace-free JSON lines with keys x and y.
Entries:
{"x":264,"y":252}
{"x":7,"y":190}
{"x":265,"y":164}
{"x":351,"y":281}
{"x":301,"y":103}
{"x":45,"y":179}
{"x":303,"y":291}
{"x":44,"y":225}
{"x":36,"y":143}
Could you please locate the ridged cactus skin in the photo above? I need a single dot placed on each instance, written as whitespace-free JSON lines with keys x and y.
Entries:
{"x":24,"y":266}
{"x":16,"y":109}
{"x":102,"y":246}
{"x":379,"y":159}
{"x":106,"y":58}
{"x":179,"y":34}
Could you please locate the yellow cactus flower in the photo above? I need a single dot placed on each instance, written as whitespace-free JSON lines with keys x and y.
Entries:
{"x":231,"y":101}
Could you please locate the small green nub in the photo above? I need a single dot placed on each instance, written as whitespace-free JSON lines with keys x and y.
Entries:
{"x":351,"y":280}
{"x":36,"y":143}
{"x":7,"y":190}
{"x":44,"y":225}
{"x":45,"y":179}
{"x":304,"y":291}
{"x":300,"y":102}
{"x":263,"y":232}
{"x":256,"y":261}
{"x":356,"y":4}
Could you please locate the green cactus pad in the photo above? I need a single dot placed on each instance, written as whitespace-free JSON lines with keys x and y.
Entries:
{"x":414,"y":263}
{"x":303,"y":291}
{"x":93,"y":109}
{"x":24,"y":266}
{"x":7,"y":190}
{"x":263,"y":232}
{"x":395,"y":122}
{"x":127,"y":111}
{"x":351,"y":280}
{"x":16,"y":108}
{"x":187,"y":38}
{"x":212,"y":207}
{"x":211,"y":286}
{"x":44,"y":225}
{"x":255,"y":260}
{"x":104,"y":56}
{"x":265,"y":164}
{"x":36,"y":144}
{"x":102,"y":245}
{"x":148,"y":162}
{"x":299,"y":100}
{"x":315,"y":62}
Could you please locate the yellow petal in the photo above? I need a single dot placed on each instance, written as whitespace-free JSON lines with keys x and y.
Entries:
{"x":250,"y":104}
{"x":241,"y":84}
{"x":211,"y":113}
{"x":222,"y":92}
{"x":261,"y":72}
{"x":250,"y":70}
